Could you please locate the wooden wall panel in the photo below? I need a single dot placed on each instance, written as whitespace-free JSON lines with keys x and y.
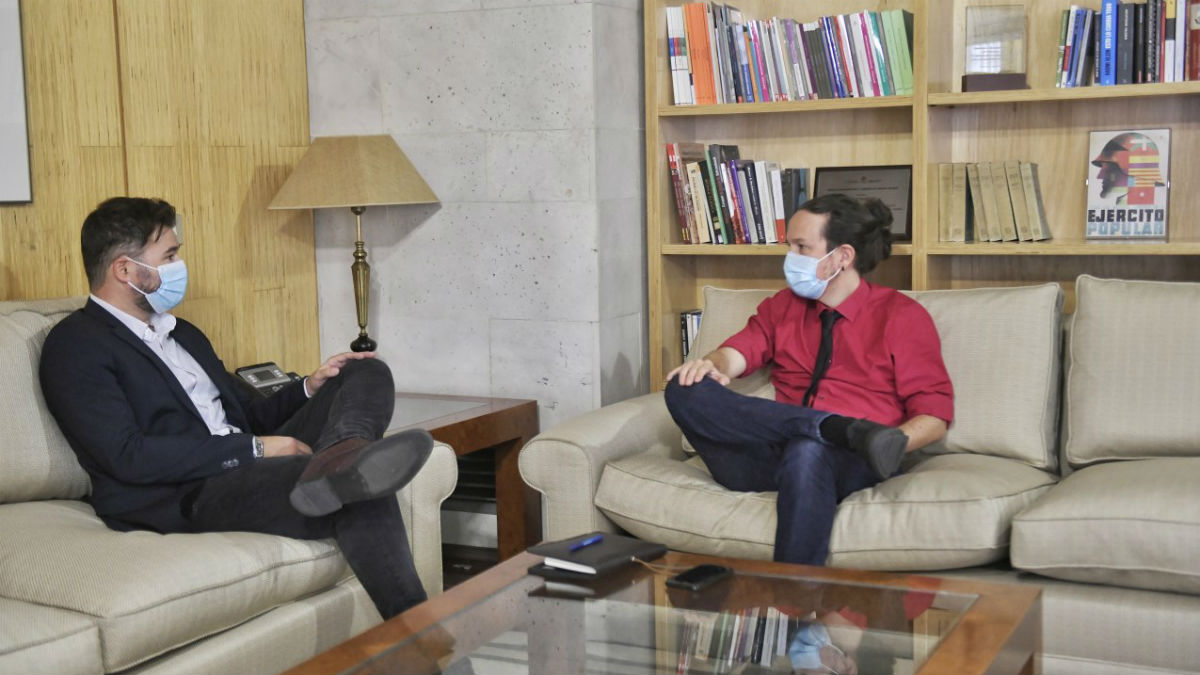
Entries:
{"x":73,"y":110}
{"x":202,"y":103}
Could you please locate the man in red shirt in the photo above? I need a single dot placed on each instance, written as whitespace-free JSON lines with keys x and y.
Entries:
{"x":858,"y":374}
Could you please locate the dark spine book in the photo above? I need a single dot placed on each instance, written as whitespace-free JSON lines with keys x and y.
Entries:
{"x":1125,"y":26}
{"x":809,"y":60}
{"x":816,"y":54}
{"x":1152,"y":11}
{"x":1092,"y":57}
{"x":710,"y":188}
{"x":734,"y":64}
{"x":755,"y":201}
{"x":1139,"y":43}
{"x":726,"y":154}
{"x":787,"y":180}
{"x":743,"y":221}
{"x":683,"y":333}
{"x":718,"y":186}
{"x":832,"y":52}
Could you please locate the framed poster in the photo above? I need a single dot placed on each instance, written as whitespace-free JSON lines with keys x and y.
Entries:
{"x":1128,"y":180}
{"x":14,"y":131}
{"x":891,"y":185}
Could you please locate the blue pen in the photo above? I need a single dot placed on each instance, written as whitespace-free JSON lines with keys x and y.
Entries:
{"x":595,"y":539}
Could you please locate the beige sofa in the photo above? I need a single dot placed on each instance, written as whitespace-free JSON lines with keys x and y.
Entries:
{"x":76,"y":597}
{"x":1096,"y":501}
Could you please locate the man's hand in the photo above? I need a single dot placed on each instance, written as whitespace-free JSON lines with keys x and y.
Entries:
{"x":331,"y":368}
{"x":692,"y":372}
{"x":281,"y":446}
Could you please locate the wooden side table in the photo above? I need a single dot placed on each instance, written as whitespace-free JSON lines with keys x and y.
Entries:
{"x":469,"y":424}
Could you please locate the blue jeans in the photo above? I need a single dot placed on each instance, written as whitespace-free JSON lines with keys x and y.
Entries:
{"x":371,"y":534}
{"x":756,"y":445}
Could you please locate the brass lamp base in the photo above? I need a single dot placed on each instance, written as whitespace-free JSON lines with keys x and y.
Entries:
{"x":360,"y":271}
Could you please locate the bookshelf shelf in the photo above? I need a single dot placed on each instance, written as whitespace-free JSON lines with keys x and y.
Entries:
{"x":726,"y":109}
{"x":1043,"y":124}
{"x":774,"y":250}
{"x":1053,"y":248}
{"x":1139,"y":91}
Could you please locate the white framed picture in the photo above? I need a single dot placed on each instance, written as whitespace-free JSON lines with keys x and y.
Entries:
{"x":1129,"y":174}
{"x":14,"y":130}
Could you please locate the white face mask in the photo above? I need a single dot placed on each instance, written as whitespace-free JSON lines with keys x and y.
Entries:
{"x":801,"y":274}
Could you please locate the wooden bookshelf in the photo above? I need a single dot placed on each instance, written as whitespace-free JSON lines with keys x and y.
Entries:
{"x":938,"y":123}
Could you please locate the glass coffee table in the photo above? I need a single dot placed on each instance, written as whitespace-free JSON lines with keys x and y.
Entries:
{"x":766,"y":618}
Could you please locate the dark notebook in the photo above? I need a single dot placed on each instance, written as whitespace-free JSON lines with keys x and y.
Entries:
{"x":609,"y":552}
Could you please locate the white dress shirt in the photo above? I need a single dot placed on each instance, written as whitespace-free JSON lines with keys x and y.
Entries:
{"x":198,"y":385}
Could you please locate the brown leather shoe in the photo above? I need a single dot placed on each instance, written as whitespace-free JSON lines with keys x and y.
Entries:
{"x":354,"y":472}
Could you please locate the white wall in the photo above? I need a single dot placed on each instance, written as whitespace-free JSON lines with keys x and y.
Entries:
{"x":528,"y":280}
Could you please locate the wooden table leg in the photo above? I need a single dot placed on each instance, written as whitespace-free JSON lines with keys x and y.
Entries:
{"x":518,"y":507}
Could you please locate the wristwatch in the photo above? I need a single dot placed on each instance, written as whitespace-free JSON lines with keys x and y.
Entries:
{"x":260,"y":450}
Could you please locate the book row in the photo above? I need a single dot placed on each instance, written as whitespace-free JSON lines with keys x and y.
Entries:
{"x":1129,"y":43}
{"x":721,"y":198}
{"x":689,"y":328}
{"x":718,"y":56}
{"x":725,"y":642}
{"x":990,"y":201}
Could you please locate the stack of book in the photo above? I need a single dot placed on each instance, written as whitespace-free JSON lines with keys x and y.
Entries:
{"x":723,"y":199}
{"x":717,"y":56}
{"x":724,"y":642}
{"x":689,"y":328}
{"x":990,"y":201}
{"x":1129,"y":43}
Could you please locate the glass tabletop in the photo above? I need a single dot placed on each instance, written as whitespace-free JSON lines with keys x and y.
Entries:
{"x":631,"y":623}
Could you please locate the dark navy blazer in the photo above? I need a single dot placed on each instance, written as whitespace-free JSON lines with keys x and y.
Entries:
{"x":133,"y":427}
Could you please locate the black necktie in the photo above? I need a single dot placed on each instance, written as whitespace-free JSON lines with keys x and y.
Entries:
{"x":824,"y":353}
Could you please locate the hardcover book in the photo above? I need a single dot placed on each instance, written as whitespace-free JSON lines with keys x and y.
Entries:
{"x":596,"y":553}
{"x":1128,"y":181}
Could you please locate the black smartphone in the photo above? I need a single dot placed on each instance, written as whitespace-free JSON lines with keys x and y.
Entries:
{"x":699,"y":577}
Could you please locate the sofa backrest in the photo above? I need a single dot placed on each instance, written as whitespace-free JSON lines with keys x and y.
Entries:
{"x":1001,"y":347}
{"x":35,"y":460}
{"x":1133,"y":387}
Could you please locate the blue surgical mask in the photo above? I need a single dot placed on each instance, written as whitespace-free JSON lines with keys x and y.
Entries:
{"x":805,"y":649}
{"x":801,"y":274}
{"x":173,"y":278}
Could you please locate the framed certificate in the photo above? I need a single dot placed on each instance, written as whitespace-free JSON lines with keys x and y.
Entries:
{"x":891,"y":185}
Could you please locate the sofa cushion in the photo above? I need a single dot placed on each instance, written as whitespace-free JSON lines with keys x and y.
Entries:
{"x":948,"y":511}
{"x":1001,"y":347}
{"x":726,"y":311}
{"x":148,"y":592}
{"x":38,"y":639}
{"x":38,"y":463}
{"x":1134,"y":524}
{"x":1131,"y":389}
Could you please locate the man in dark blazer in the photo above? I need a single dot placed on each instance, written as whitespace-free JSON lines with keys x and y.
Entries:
{"x":172,"y":444}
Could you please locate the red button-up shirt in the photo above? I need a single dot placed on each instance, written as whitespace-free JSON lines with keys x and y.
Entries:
{"x":887,"y":358}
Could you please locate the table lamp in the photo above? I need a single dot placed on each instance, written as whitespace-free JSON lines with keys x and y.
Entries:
{"x":354,"y":172}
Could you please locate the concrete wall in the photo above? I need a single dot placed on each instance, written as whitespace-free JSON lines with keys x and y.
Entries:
{"x":528,"y":280}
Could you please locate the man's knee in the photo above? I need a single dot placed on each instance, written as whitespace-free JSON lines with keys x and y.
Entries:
{"x":368,"y":368}
{"x":679,"y":396}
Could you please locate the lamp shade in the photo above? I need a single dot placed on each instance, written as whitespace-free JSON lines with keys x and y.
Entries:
{"x":348,"y":171}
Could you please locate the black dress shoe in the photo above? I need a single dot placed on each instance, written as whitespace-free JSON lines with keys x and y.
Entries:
{"x":353,"y":472}
{"x":882,"y":446}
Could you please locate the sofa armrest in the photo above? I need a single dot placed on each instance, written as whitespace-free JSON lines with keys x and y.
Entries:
{"x":421,"y":505}
{"x":564,"y":463}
